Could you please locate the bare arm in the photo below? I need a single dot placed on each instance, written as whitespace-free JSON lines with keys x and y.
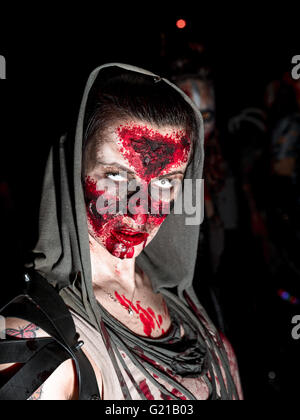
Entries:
{"x":61,"y":385}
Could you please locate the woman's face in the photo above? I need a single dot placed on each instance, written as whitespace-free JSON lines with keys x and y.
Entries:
{"x":132,"y":174}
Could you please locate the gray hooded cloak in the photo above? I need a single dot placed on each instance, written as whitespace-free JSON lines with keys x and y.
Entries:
{"x":62,"y":254}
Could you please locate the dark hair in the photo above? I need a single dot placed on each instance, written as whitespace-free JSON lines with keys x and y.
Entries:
{"x":119,"y":93}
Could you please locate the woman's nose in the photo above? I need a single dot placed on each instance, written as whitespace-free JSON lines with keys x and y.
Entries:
{"x":138,"y":204}
{"x":140,"y":219}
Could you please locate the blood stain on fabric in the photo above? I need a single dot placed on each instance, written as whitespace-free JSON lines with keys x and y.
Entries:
{"x":178,"y":394}
{"x":165,"y":397}
{"x":146,"y":390}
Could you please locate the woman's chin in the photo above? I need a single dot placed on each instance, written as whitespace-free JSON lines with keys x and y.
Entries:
{"x":126,"y":253}
{"x":122,"y":252}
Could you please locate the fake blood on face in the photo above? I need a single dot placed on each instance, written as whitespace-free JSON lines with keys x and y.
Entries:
{"x":112,"y":229}
{"x":151,"y":153}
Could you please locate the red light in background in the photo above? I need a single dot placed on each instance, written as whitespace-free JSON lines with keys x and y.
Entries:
{"x":181,"y":23}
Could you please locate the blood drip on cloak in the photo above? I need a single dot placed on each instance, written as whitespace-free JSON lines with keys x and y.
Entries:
{"x":175,"y":392}
{"x":146,"y":390}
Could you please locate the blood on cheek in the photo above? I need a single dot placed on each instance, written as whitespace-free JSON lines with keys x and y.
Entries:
{"x":103,"y":223}
{"x":97,"y":218}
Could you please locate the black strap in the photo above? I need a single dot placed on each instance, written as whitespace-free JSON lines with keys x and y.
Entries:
{"x":40,"y":304}
{"x":30,"y":377}
{"x":20,"y":351}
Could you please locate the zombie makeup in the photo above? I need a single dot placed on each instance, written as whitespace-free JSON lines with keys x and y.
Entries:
{"x":155,"y":162}
{"x":113,"y":230}
{"x":202,"y":94}
{"x":150,"y":153}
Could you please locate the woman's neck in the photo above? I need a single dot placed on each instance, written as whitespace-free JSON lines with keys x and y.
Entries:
{"x":107,"y":269}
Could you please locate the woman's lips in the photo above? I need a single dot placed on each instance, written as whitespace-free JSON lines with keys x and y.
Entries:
{"x":130,"y":237}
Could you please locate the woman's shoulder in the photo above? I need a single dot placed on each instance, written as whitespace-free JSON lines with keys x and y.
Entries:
{"x":20,"y":328}
{"x":61,"y":385}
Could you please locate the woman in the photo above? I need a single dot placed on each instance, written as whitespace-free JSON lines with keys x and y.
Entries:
{"x":122,"y":264}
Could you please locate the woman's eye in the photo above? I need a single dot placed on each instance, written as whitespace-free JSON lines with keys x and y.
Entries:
{"x":163,"y":183}
{"x":115,"y":177}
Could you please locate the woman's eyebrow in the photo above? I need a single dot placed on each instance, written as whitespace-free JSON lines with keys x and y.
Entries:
{"x":123,"y":168}
{"x":116,"y":165}
{"x":172,"y":173}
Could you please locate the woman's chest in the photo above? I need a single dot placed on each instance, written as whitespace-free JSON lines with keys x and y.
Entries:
{"x":146,"y":315}
{"x":164,"y":386}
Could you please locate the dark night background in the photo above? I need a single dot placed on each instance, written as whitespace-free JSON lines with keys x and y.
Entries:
{"x":49,"y":57}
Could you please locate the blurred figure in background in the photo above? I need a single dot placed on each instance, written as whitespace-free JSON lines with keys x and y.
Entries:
{"x":236,"y":250}
{"x":248,"y":143}
{"x":218,"y":231}
{"x":284,"y":203}
{"x":283,"y":215}
{"x":264,"y":145}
